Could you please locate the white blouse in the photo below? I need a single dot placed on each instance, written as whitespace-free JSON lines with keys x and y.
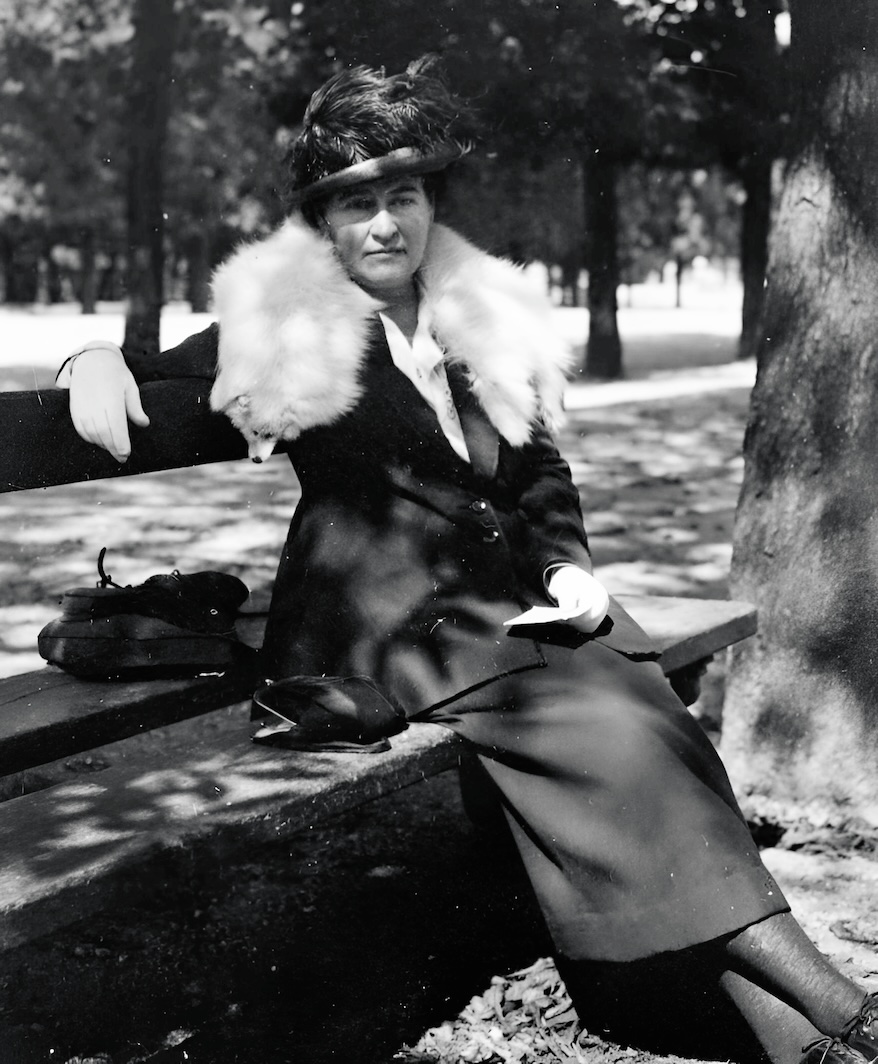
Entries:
{"x":421,"y":361}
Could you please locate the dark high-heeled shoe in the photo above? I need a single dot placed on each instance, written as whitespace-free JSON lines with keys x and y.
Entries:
{"x":857,"y":1044}
{"x":830,"y":1051}
{"x":861,"y":1033}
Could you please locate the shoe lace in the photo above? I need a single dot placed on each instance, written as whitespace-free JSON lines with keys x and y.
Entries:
{"x":864,"y":1019}
{"x":828,"y":1045}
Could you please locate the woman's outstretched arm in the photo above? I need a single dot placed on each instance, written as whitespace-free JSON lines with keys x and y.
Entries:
{"x":103,"y":385}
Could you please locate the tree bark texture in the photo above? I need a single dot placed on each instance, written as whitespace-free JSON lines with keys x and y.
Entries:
{"x":148,"y":108}
{"x":755,"y":225}
{"x":603,"y":356}
{"x":801,"y":715}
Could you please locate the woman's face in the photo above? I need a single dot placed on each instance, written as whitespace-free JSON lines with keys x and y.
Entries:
{"x":380,"y":231}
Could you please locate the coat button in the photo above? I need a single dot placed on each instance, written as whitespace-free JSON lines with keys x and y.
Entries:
{"x":479,"y":505}
{"x":491,"y":536}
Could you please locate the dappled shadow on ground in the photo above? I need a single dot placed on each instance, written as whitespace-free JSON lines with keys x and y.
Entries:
{"x":659,"y":483}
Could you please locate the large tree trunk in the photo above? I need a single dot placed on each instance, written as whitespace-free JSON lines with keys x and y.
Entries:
{"x":755,"y":226}
{"x":148,"y":105}
{"x":603,"y":357}
{"x":801,"y":715}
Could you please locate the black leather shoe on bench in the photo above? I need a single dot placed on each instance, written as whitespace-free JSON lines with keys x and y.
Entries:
{"x":171,"y":624}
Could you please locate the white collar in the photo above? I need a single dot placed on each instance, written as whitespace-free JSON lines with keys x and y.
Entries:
{"x":422,"y":354}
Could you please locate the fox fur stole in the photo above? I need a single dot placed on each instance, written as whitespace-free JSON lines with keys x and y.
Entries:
{"x":294,"y":329}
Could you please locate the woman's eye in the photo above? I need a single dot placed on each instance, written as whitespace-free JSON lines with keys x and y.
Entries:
{"x":360,"y":205}
{"x":357,"y":207}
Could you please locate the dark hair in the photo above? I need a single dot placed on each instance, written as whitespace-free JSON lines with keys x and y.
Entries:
{"x":362,"y":114}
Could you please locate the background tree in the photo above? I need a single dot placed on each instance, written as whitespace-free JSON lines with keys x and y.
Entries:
{"x":727,"y":52}
{"x":61,"y":150}
{"x":676,"y":84}
{"x":801,"y":710}
{"x":223,"y":155}
{"x":147,"y":114}
{"x":68,"y":85}
{"x":201,"y":75}
{"x":675,"y":216}
{"x":576,"y":80}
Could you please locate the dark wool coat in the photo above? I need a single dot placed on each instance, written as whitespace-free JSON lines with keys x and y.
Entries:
{"x":402,"y":561}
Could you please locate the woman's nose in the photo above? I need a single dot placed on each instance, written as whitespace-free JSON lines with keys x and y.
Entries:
{"x":384,"y":226}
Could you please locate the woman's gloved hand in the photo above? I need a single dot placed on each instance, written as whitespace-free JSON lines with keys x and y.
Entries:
{"x":579,"y":592}
{"x":104,"y":397}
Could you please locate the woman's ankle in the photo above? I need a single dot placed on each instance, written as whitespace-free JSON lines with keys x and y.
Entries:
{"x":861,"y":1031}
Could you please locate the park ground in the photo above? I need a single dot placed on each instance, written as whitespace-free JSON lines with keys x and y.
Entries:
{"x":394,"y":933}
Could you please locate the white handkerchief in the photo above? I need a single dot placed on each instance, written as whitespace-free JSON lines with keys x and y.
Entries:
{"x":543,"y":615}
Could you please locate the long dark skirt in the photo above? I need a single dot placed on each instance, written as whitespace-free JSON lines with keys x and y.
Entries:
{"x":620,"y":807}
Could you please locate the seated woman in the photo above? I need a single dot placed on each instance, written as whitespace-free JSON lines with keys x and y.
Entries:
{"x":416,"y":380}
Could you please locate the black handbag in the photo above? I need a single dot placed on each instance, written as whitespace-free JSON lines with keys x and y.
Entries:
{"x":341,"y":713}
{"x":170,"y":625}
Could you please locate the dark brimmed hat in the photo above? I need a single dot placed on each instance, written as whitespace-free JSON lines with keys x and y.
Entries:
{"x":363,"y":125}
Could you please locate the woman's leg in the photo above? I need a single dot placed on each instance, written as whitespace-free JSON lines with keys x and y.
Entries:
{"x":688,"y":1002}
{"x":781,"y":1031}
{"x":778,"y":956}
{"x":670,"y":1004}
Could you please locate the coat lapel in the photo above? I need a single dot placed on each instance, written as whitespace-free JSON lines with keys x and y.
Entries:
{"x":395,"y":390}
{"x":482,"y":439}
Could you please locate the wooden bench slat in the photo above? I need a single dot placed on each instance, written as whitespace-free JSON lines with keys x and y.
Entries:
{"x":40,"y":448}
{"x":686,"y":629}
{"x":47,"y":714}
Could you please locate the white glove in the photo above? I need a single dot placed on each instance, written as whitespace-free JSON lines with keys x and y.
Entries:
{"x":579,"y":592}
{"x":104,"y":397}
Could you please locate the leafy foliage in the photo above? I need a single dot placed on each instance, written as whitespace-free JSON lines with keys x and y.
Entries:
{"x":60,"y":139}
{"x":64,"y":69}
{"x":675,"y":215}
{"x":679,"y":83}
{"x":522,"y":1018}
